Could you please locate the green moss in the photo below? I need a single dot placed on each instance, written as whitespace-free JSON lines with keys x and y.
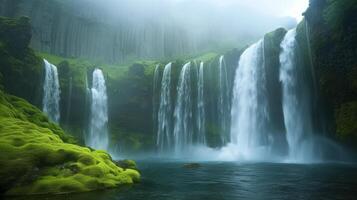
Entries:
{"x":206,"y":57}
{"x":35,"y":159}
{"x":346,"y":118}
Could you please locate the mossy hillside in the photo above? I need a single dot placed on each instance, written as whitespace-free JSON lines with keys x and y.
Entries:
{"x":21,"y":69}
{"x":35,"y":160}
{"x":27,"y":112}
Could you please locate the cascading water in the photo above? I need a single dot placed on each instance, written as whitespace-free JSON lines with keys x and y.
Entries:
{"x":51,"y":92}
{"x":296,"y":101}
{"x":98,"y":131}
{"x":183,"y":129}
{"x":164,"y":137}
{"x":201,"y":138}
{"x":223,"y":102}
{"x":249,"y":107}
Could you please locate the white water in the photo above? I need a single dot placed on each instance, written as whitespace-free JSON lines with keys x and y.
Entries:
{"x":164,"y":138}
{"x":223,"y":102}
{"x":98,"y":131}
{"x":51,"y":92}
{"x":251,"y":136}
{"x":296,"y":101}
{"x":183,"y":119}
{"x":248,"y":137}
{"x":201,"y":115}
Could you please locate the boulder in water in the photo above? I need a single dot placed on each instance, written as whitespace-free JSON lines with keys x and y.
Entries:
{"x":126,"y":164}
{"x":192,"y":165}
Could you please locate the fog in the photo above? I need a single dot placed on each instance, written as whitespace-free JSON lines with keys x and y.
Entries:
{"x":233,"y":22}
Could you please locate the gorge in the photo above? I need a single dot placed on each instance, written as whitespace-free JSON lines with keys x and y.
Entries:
{"x":209,"y":106}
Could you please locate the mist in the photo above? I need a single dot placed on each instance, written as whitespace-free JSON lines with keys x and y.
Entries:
{"x":223,"y":22}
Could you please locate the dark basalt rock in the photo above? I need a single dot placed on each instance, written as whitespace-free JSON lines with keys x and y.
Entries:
{"x":126,"y":164}
{"x":192,"y":165}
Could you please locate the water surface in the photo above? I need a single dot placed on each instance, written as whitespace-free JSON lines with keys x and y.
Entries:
{"x":231,"y":180}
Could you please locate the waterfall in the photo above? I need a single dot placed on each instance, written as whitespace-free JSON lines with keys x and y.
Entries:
{"x":296,"y":100}
{"x":183,"y":129}
{"x":164,"y":139}
{"x":51,"y":92}
{"x":249,"y":106}
{"x":98,"y":130}
{"x":201,"y":138}
{"x":223,"y":102}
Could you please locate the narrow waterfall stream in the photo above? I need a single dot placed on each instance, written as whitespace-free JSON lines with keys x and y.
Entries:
{"x":164,"y":137}
{"x":223,"y":100}
{"x":296,"y":101}
{"x":201,"y":114}
{"x":98,"y":131}
{"x":183,"y":116}
{"x":51,"y":92}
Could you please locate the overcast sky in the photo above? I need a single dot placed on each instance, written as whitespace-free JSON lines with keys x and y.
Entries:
{"x":279,"y":8}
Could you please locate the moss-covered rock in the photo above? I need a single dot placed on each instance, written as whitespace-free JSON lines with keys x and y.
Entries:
{"x":126,"y":164}
{"x":346,"y":120}
{"x":35,"y":159}
{"x":21,"y":68}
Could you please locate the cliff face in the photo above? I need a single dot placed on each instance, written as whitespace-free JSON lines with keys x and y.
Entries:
{"x":333,"y":35}
{"x":65,"y":29}
{"x":20,"y":67}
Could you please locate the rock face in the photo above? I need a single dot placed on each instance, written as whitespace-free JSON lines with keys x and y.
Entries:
{"x":71,"y":29}
{"x":331,"y":27}
{"x":20,"y":67}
